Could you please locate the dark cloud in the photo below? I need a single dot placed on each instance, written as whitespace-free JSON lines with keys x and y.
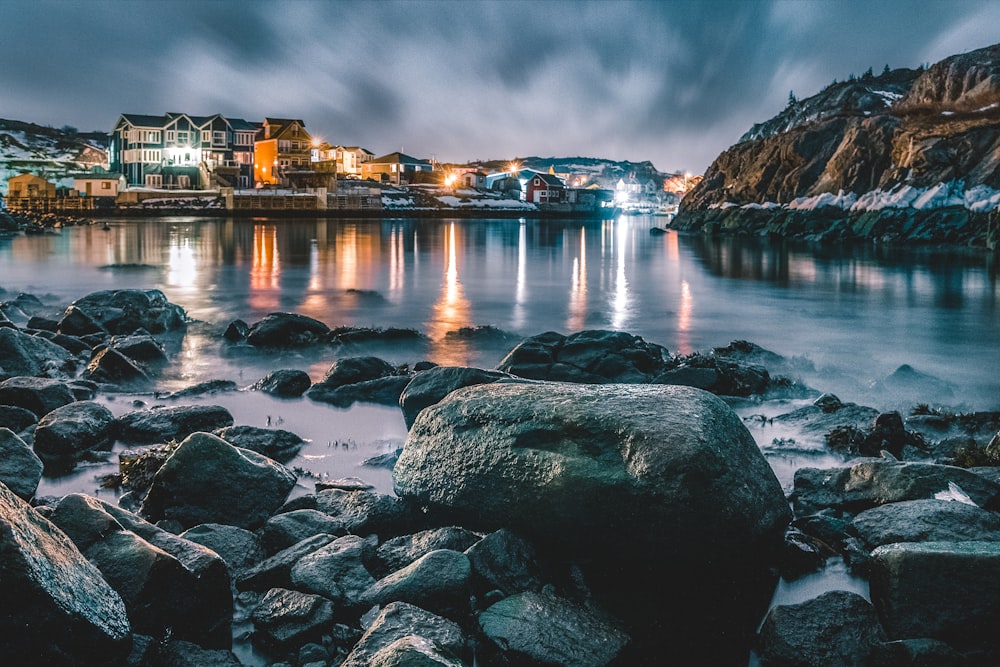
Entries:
{"x":674,"y":81}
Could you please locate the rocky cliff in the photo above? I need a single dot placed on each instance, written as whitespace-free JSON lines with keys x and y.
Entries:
{"x":908,"y":154}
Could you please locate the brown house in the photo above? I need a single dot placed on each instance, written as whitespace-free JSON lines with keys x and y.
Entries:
{"x":283,"y":147}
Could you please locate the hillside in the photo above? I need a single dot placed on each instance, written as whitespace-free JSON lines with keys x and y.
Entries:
{"x":46,"y":151}
{"x":909,"y":154}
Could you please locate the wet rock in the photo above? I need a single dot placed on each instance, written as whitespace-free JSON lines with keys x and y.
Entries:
{"x":20,"y":468}
{"x":439,"y":582}
{"x":162,"y":596}
{"x":40,"y":395}
{"x":17,"y":419}
{"x":948,"y":591}
{"x":287,"y":330}
{"x":652,"y":469}
{"x":827,"y":413}
{"x":484,"y":335}
{"x":72,"y":344}
{"x":398,"y":552}
{"x":127,"y":311}
{"x":48,"y":584}
{"x":837,"y":628}
{"x":283,"y":530}
{"x":803,"y":554}
{"x":359,"y":336}
{"x":506,"y":562}
{"x":430,"y":386}
{"x":399,"y":620}
{"x":413,"y":650}
{"x":909,"y":382}
{"x":276,"y":571}
{"x":366,"y":512}
{"x":926,"y":521}
{"x":335,"y":571}
{"x":141,"y":348}
{"x":161,"y":424}
{"x":239,"y":548}
{"x":286,"y":383}
{"x":277,"y":444}
{"x":344,"y":484}
{"x":23,"y":354}
{"x":543,"y":629}
{"x":384,"y":391}
{"x":869,"y":483}
{"x":286,"y":619}
{"x":204,"y":461}
{"x":236,"y":331}
{"x":592,"y":356}
{"x":70,"y":431}
{"x":76,"y":322}
{"x":109,"y":366}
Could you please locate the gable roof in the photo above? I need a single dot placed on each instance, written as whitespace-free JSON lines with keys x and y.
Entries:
{"x":142,"y":120}
{"x":399,"y":158}
{"x":549,"y":179}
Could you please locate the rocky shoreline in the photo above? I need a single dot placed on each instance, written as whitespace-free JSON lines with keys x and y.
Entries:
{"x":592,"y":500}
{"x":955,"y":226}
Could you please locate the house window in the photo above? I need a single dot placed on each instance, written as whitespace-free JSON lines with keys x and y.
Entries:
{"x":105,"y":185}
{"x":219,"y":138}
{"x":171,"y":136}
{"x":182,"y":137}
{"x":154,"y":180}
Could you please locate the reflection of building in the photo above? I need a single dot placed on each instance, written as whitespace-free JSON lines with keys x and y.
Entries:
{"x":181,"y":151}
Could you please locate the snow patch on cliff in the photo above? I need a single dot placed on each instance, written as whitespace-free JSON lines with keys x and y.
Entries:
{"x":978,"y":199}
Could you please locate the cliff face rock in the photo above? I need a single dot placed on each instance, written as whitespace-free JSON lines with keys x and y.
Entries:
{"x":906,"y":139}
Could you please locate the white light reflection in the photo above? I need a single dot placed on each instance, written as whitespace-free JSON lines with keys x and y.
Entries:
{"x":578,"y":288}
{"x":182,"y":271}
{"x":684,"y":320}
{"x":619,"y":303}
{"x":450,"y":312}
{"x":521,"y":281}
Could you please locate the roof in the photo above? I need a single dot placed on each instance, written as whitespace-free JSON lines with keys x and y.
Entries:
{"x":399,"y":158}
{"x":549,"y":179}
{"x":243,"y":125}
{"x":141,"y":120}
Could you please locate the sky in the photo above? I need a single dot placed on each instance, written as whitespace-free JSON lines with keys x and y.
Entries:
{"x":675,"y":82}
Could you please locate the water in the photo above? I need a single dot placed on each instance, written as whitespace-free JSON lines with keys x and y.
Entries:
{"x":846,"y":317}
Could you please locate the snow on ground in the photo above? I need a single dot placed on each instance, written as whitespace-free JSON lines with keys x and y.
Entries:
{"x":458,"y":202}
{"x":978,"y":199}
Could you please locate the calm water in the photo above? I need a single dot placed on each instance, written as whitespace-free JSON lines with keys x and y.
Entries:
{"x":850,"y":317}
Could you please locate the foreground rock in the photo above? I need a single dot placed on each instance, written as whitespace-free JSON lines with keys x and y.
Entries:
{"x":56,"y":607}
{"x":20,"y":467}
{"x":653,"y":486}
{"x":122,"y":312}
{"x":588,"y":357}
{"x":287,"y":330}
{"x":246,"y":487}
{"x":40,"y":395}
{"x":430,"y":386}
{"x":67,"y":433}
{"x":162,"y":424}
{"x":22,"y":354}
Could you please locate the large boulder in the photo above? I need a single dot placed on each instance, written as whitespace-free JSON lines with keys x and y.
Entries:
{"x":655,"y":466}
{"x":439,"y":581}
{"x":56,"y":607}
{"x":948,"y":591}
{"x":286,"y":619}
{"x":284,"y":383}
{"x":40,"y":395}
{"x":109,"y":366}
{"x":68,"y":432}
{"x":126,"y":311}
{"x":274,"y":443}
{"x":206,"y":480}
{"x":20,"y":468}
{"x":23,"y":354}
{"x":162,"y":424}
{"x":659,"y":490}
{"x":352,"y":379}
{"x":287,"y":330}
{"x":592,"y":356}
{"x":335,"y":571}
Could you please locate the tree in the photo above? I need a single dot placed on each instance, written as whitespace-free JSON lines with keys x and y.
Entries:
{"x":886,"y":70}
{"x":868,"y":74}
{"x":792,"y":100}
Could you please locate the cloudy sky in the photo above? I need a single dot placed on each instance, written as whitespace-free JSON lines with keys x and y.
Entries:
{"x":671,"y":81}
